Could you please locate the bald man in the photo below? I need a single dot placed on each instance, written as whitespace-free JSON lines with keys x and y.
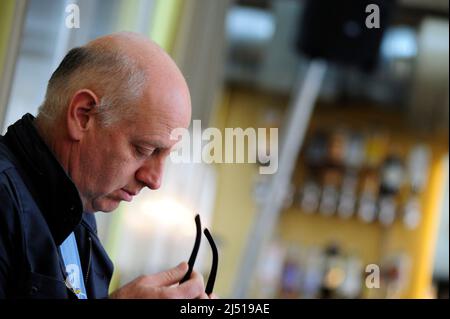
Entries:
{"x":100,"y":136}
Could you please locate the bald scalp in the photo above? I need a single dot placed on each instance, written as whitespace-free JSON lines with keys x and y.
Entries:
{"x":119,"y":68}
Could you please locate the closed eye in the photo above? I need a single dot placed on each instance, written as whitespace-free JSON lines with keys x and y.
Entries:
{"x":143,"y":151}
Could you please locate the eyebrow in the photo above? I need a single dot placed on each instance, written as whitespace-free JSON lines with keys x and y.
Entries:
{"x":153,"y":143}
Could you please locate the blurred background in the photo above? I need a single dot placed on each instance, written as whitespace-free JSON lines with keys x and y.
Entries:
{"x":359,"y":205}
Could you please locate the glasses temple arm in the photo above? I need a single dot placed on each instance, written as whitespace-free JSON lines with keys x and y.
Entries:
{"x":215,"y":262}
{"x":198,"y":238}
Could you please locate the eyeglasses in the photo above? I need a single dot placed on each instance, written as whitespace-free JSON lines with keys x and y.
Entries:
{"x":215,"y":256}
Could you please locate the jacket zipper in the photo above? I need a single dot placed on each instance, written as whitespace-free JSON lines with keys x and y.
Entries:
{"x":89,"y":262}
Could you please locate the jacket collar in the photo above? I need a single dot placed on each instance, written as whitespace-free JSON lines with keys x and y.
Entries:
{"x":54,"y":192}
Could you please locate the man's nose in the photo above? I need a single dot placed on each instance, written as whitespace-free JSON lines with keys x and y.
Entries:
{"x":151,"y":173}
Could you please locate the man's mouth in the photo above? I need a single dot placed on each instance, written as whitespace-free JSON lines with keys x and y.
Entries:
{"x":125,"y":195}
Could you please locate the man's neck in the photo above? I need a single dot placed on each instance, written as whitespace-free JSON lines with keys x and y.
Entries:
{"x":47,"y":133}
{"x":60,"y":149}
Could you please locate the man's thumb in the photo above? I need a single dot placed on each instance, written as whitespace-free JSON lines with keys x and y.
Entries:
{"x":171,"y":276}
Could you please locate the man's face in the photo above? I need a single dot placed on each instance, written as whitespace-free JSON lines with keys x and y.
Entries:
{"x":116,"y":162}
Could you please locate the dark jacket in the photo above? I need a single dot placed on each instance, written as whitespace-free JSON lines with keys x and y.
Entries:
{"x":39,"y":207}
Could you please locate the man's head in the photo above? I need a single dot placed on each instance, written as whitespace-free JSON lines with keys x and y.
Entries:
{"x":108,"y":113}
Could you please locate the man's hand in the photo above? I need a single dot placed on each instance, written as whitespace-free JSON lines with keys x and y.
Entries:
{"x":164,"y":285}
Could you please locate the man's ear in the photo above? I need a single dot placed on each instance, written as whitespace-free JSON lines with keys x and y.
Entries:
{"x":80,"y":115}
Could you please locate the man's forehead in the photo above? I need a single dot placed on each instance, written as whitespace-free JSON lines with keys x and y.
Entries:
{"x":151,"y":125}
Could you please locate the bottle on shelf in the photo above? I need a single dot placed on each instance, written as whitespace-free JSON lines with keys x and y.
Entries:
{"x":314,"y":270}
{"x":418,"y":170}
{"x":387,"y":210}
{"x":367,"y":206}
{"x":330,"y":192}
{"x":310,"y":197}
{"x":347,"y":198}
{"x":352,"y":286}
{"x":392,"y":179}
{"x":334,"y":272}
{"x":291,"y":274}
{"x":316,"y":150}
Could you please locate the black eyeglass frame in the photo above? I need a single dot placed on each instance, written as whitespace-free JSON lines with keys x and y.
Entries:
{"x":215,"y":256}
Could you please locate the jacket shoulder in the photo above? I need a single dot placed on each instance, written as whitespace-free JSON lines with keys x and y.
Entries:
{"x":6,"y":159}
{"x":8,"y":177}
{"x":9,"y":203}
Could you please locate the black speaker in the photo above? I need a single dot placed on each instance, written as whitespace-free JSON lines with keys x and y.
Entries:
{"x":336,"y":30}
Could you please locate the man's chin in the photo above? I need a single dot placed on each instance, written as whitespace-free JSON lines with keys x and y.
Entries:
{"x":106,"y":205}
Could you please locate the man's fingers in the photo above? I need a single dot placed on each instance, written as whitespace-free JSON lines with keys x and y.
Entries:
{"x":164,"y":286}
{"x":190,"y":289}
{"x":204,"y":296}
{"x":213,"y":296}
{"x":168,"y":277}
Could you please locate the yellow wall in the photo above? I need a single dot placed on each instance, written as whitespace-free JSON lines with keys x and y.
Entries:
{"x":166,"y":20}
{"x":353,"y":236}
{"x":420,"y":243}
{"x":425,"y":241}
{"x":6,"y":18}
